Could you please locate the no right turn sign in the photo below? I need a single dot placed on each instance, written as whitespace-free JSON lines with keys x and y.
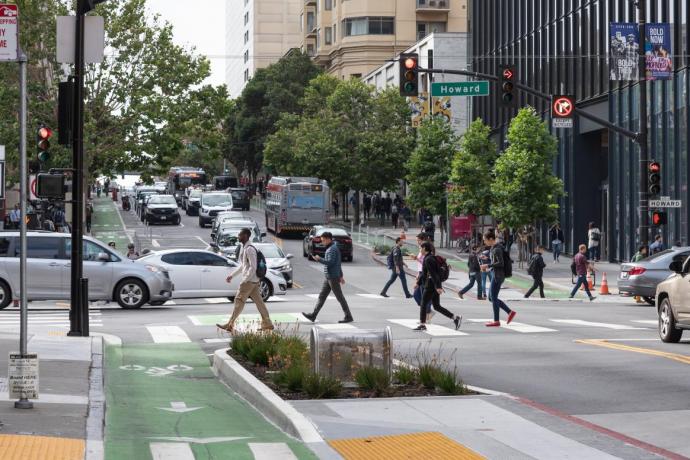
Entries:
{"x":562,"y":110}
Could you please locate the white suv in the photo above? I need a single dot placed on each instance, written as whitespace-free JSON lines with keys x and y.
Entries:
{"x":211,"y":204}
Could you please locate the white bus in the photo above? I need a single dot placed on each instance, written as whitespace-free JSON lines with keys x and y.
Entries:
{"x":296,"y":204}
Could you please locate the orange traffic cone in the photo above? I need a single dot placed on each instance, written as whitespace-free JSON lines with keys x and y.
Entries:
{"x":590,"y":282}
{"x":604,"y":286}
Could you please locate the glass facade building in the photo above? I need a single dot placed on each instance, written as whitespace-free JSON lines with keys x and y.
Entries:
{"x":561,"y":47}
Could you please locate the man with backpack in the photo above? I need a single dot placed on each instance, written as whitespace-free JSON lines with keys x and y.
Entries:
{"x":475,"y":273}
{"x":332,"y":262}
{"x":252,"y":267}
{"x":397,"y":268}
{"x":435,"y":270}
{"x":536,"y":270}
{"x":579,"y":267}
{"x":502,"y":267}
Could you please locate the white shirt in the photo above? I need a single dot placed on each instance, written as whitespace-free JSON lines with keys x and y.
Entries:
{"x":247,"y":267}
{"x":593,"y":243}
{"x":420,"y":261}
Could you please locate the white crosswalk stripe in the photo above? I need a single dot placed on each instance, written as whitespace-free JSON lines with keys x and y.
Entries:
{"x":375,"y":296}
{"x":316,"y":296}
{"x":431,"y":329}
{"x":168,"y":334}
{"x":271,"y":451}
{"x":11,"y":319}
{"x":514,"y":326}
{"x":579,"y":322}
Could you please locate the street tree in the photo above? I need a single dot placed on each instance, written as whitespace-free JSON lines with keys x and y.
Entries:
{"x":472,"y":171}
{"x":525,"y":189}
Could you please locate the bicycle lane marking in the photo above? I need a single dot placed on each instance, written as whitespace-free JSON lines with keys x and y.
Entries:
{"x":144,"y":381}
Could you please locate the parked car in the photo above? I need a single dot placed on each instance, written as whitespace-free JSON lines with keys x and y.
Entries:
{"x":211,"y":204}
{"x":227,"y":243}
{"x":225,"y":217}
{"x":202,"y":274}
{"x":313,"y":245}
{"x":141,"y":196}
{"x":111,"y":276}
{"x":162,"y":209}
{"x":673,"y":300}
{"x":191,"y":201}
{"x":641,"y":278}
{"x":240,"y":198}
{"x":277,"y":260}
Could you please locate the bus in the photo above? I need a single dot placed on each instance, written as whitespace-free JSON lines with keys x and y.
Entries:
{"x":181,"y":177}
{"x":296,"y":204}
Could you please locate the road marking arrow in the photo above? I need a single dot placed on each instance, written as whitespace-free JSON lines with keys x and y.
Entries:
{"x":179,"y":407}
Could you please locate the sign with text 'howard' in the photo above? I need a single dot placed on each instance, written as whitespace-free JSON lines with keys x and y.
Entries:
{"x":665,"y":202}
{"x":461,"y":88}
{"x":9,"y":19}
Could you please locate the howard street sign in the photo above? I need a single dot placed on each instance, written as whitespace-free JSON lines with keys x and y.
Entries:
{"x":665,"y":202}
{"x":9,"y":17}
{"x":461,"y":88}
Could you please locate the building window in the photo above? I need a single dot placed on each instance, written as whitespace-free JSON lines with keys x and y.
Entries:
{"x":374,"y":25}
{"x":301,"y":22}
{"x":246,"y":74}
{"x":246,"y":18}
{"x":327,"y":5}
{"x":335,"y":35}
{"x":318,"y":38}
{"x":310,"y":50}
{"x":328,"y":37}
{"x":355,"y":75}
{"x":426,"y":28}
{"x":246,"y":36}
{"x":310,"y":22}
{"x":246,"y":56}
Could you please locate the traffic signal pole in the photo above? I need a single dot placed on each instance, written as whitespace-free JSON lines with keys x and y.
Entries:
{"x":643,"y":133}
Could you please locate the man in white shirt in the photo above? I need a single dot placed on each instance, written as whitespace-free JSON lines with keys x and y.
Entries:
{"x":249,"y":286}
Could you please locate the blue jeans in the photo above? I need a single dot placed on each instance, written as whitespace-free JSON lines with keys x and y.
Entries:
{"x":581,"y":279}
{"x":495,"y":301}
{"x":557,"y":247}
{"x":419,"y":293}
{"x":486,"y":285}
{"x":474,"y":277}
{"x":594,"y":253}
{"x":400,"y":274}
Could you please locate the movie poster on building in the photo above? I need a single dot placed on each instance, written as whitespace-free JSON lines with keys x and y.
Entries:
{"x":624,"y":53}
{"x":658,"y":57}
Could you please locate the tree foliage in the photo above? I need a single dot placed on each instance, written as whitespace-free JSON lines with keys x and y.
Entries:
{"x":429,"y":165}
{"x":525,"y":189}
{"x":472,"y":171}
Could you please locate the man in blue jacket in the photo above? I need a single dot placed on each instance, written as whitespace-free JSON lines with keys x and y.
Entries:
{"x":334,"y":278}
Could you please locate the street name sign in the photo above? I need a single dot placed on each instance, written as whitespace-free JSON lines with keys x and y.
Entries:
{"x":461,"y":88}
{"x":22,"y":380}
{"x":9,"y":29}
{"x":562,"y":109}
{"x":665,"y":202}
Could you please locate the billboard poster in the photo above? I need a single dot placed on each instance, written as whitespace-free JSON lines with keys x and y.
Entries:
{"x":658,"y":56}
{"x":624,"y":57}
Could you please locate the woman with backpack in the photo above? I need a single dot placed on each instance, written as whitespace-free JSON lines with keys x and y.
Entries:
{"x":432,"y":278}
{"x":475,"y":273}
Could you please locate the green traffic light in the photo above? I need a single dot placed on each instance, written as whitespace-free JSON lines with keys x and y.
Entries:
{"x":44,"y":156}
{"x":409,"y":87}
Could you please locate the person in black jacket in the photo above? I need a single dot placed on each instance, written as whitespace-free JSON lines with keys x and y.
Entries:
{"x":498,"y":268}
{"x":536,"y":269}
{"x":431,"y":277}
{"x":475,"y":273}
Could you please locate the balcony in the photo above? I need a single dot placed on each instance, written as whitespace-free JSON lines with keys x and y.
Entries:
{"x":433,"y":5}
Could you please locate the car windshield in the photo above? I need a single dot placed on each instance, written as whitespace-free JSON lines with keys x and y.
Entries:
{"x":271,"y":252}
{"x":217,"y":200}
{"x":228,"y":238}
{"x":334,"y":231}
{"x":195,"y":194}
{"x":162,"y":199}
{"x":239,"y":195}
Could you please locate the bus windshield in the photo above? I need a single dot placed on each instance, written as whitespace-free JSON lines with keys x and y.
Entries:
{"x":306,"y":201}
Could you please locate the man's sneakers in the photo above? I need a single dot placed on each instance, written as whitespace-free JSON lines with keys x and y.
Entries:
{"x":460,"y":295}
{"x":383,"y":294}
{"x":592,"y":298}
{"x":347,"y":319}
{"x":310,"y":316}
{"x":457,"y":321}
{"x":493,"y":324}
{"x":408,"y":296}
{"x":420,"y":328}
{"x":511,"y":315}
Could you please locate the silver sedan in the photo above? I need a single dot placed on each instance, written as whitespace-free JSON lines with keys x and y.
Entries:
{"x":641,"y":278}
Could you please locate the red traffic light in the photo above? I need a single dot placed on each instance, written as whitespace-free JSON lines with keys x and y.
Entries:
{"x":410,"y":63}
{"x":658,"y":218}
{"x":508,"y":74}
{"x":654,"y":167}
{"x":44,"y":133}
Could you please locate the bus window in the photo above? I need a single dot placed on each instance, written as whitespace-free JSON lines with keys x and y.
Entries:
{"x":306,"y":201}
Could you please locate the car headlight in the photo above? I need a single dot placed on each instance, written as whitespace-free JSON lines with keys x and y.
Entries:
{"x":281,"y":267}
{"x":153,"y":269}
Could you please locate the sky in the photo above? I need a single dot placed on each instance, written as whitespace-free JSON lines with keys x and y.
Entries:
{"x":200,"y":23}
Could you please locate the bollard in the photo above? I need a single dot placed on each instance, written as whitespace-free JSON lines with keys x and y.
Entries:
{"x":84,"y":287}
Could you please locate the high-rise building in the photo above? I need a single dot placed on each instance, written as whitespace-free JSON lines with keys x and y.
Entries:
{"x":562,"y":47}
{"x":257,"y":34}
{"x":350,"y":38}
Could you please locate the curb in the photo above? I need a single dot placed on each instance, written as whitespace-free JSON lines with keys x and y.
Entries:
{"x":95,"y":419}
{"x":262,"y":398}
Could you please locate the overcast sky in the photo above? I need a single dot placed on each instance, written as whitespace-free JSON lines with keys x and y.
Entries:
{"x":199,"y":23}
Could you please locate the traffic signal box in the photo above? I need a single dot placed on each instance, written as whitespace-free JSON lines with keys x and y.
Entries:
{"x":409,"y":74}
{"x":43,"y":136}
{"x":659,"y":218}
{"x":507,"y":96}
{"x":654,"y":182}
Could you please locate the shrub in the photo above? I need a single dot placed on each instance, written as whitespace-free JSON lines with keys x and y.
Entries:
{"x":291,"y":377}
{"x":373,"y":378}
{"x":291,"y":350}
{"x":318,"y":386}
{"x":428,"y":375}
{"x":382,"y":249}
{"x":448,"y":383}
{"x":405,"y":375}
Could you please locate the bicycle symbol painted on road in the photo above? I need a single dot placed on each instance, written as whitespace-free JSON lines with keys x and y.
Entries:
{"x":157,"y":371}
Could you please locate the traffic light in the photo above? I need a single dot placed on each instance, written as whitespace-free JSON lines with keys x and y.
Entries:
{"x":654,"y":178}
{"x":409,"y":75}
{"x":658,"y":218}
{"x":506,"y":79}
{"x":43,"y":143}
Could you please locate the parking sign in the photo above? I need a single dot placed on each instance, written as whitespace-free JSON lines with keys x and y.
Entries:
{"x":9,"y":19}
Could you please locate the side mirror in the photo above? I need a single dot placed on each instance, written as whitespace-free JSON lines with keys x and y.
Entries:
{"x":676,"y":266}
{"x":103,"y":257}
{"x":289,"y":256}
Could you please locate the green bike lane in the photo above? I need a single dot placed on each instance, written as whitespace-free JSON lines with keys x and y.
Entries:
{"x":163,"y":401}
{"x":106,"y":224}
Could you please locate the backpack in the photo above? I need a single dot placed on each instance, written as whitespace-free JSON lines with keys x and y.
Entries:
{"x":595,"y":236}
{"x":444,"y":269}
{"x":531,"y":265}
{"x":390,"y":261}
{"x":573,"y":268}
{"x":429,"y":226}
{"x":261,"y":266}
{"x":507,"y":264}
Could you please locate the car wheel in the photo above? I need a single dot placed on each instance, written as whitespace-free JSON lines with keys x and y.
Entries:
{"x":667,"y":323}
{"x":649,"y":300}
{"x":201,"y":223}
{"x":231,"y":298}
{"x":131,"y":294}
{"x":157,"y":303}
{"x":5,"y":295}
{"x":177,"y":221}
{"x":266,"y":289}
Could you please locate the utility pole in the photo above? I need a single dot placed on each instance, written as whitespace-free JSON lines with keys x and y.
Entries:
{"x":643,"y":132}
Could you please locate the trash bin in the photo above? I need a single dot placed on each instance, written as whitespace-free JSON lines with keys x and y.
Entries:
{"x":339,"y":352}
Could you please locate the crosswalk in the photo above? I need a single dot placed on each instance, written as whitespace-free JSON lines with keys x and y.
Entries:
{"x":46,"y":318}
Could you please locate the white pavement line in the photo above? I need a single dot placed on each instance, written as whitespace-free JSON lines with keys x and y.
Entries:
{"x":171,"y":451}
{"x":316,"y":296}
{"x":195,"y":320}
{"x":514,"y":326}
{"x":374,"y":296}
{"x":168,"y":334}
{"x":202,"y":240}
{"x":271,"y":451}
{"x":217,"y":300}
{"x":53,"y":399}
{"x":431,"y":329}
{"x":579,"y":322}
{"x":632,"y":340}
{"x":216,"y":341}
{"x":336,"y":327}
{"x":653,"y":322}
{"x":155,"y":243}
{"x":274,"y":298}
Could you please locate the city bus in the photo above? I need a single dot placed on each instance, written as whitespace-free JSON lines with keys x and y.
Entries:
{"x":181,"y":177}
{"x":296,"y":204}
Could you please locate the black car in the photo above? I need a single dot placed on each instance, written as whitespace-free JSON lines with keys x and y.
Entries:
{"x":192,"y":202}
{"x":162,"y":209}
{"x":240,"y":198}
{"x":313,"y":244}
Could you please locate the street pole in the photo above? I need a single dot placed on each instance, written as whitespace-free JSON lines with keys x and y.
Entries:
{"x":77,"y":305}
{"x":643,"y":133}
{"x":23,"y":402}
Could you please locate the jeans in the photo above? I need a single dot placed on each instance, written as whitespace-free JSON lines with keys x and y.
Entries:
{"x":594,"y":253}
{"x":328,"y":286}
{"x":495,"y":301}
{"x":395,"y":275}
{"x":557,"y":248}
{"x":581,"y":280}
{"x":474,"y":277}
{"x":538,"y":283}
{"x":485,"y":285}
{"x":430,"y":296}
{"x":419,"y":293}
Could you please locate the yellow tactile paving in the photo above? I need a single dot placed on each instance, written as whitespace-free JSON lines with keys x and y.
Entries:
{"x":16,"y":447}
{"x":685,"y":359}
{"x":415,"y":446}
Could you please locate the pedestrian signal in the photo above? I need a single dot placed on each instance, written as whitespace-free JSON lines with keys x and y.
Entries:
{"x":659,"y":218}
{"x":409,"y":74}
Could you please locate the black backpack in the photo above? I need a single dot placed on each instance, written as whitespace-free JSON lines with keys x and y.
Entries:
{"x":389,"y":260}
{"x":261,"y":266}
{"x":429,"y":227}
{"x":531,"y":265}
{"x":443,"y":268}
{"x":507,"y":264}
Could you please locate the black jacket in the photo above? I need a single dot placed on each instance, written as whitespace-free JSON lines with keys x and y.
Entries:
{"x":473,"y":264}
{"x":537,"y":263}
{"x":431,"y":272}
{"x":497,"y":261}
{"x":557,"y":234}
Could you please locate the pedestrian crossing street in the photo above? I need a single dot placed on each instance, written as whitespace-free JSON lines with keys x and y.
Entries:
{"x":9,"y":319}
